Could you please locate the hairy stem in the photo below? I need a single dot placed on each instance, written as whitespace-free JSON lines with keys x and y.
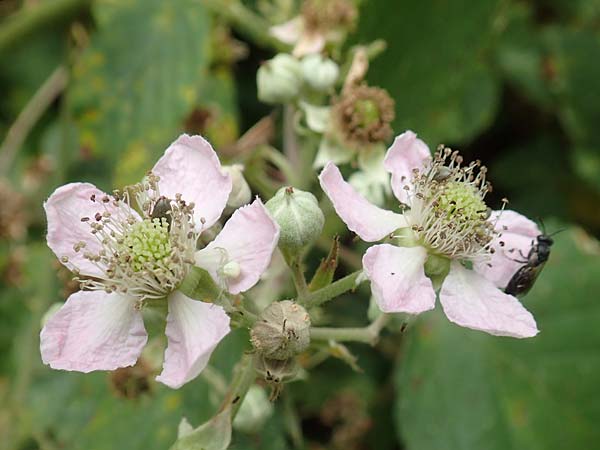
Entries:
{"x":368,"y":335}
{"x":330,"y":292}
{"x":243,"y":377}
{"x":299,"y":279}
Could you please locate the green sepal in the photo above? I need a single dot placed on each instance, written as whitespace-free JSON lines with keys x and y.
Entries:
{"x":199,"y":285}
{"x":212,"y":435}
{"x":324,"y":274}
{"x":436,"y":269}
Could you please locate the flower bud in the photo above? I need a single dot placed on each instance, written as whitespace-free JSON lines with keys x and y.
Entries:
{"x":299,"y":217}
{"x":279,"y":80}
{"x":254,"y":412}
{"x":240,"y":192}
{"x":275,"y":372}
{"x":319,"y":73}
{"x":282,"y":330}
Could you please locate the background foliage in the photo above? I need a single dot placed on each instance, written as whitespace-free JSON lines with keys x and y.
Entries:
{"x":514,"y":83}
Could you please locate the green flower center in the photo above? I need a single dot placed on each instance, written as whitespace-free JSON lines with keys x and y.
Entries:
{"x":147,"y":244}
{"x":460,"y":201}
{"x":367,"y":112}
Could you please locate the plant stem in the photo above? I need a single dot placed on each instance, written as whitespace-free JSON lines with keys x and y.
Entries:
{"x":243,"y":377}
{"x":246,"y":22}
{"x":29,"y":116}
{"x":327,"y":293}
{"x":368,"y":335}
{"x":299,"y":279}
{"x":29,"y":19}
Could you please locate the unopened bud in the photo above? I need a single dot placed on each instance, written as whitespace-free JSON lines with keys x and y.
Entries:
{"x":279,"y":80}
{"x":320,"y":73}
{"x":282,"y":330}
{"x":299,"y":217}
{"x":275,"y":372}
{"x":240,"y":191}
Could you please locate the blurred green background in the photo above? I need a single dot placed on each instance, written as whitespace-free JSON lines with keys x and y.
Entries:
{"x":96,"y":90}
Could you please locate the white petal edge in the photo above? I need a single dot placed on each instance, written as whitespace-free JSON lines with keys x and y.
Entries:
{"x":370,"y":222}
{"x":190,"y":167}
{"x":194,"y":329}
{"x":398,"y":280}
{"x":406,"y":153}
{"x":471,"y":301}
{"x":93,"y":330}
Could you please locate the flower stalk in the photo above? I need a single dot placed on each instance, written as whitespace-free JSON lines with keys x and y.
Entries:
{"x":368,"y":335}
{"x":335,"y":289}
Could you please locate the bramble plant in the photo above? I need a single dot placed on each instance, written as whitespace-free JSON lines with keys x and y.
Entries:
{"x":181,"y":258}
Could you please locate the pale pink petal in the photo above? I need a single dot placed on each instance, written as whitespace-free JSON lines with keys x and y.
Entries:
{"x":190,"y":167}
{"x":471,"y":301}
{"x":518,"y":234}
{"x":406,"y":153}
{"x":193,"y":331}
{"x":288,"y":32}
{"x":93,"y":330}
{"x":365,"y":219}
{"x":308,"y":44}
{"x":64,"y":210}
{"x":398,"y":280}
{"x":248,"y":239}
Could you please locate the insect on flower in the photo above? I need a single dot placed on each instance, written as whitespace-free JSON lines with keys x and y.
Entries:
{"x":524,"y":278}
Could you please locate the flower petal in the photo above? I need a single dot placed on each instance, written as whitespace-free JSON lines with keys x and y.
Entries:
{"x":93,"y":330}
{"x":471,"y":301}
{"x":398,"y":280}
{"x":308,"y":44}
{"x":191,"y":168}
{"x":193,"y":330}
{"x":365,"y":219}
{"x":248,"y":238}
{"x":518,"y":234}
{"x":288,"y":32}
{"x":64,"y":210}
{"x":406,"y":153}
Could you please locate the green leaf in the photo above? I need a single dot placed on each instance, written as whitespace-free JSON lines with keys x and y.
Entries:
{"x":435,"y":66}
{"x":212,"y":435}
{"x":463,"y":389}
{"x":324,"y":274}
{"x":135,"y":84}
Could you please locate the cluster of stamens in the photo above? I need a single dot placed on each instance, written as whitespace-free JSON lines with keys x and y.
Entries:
{"x":147,"y":255}
{"x":448,"y":213}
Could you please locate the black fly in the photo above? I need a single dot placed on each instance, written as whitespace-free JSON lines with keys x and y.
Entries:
{"x":162,"y":210}
{"x":524,"y":278}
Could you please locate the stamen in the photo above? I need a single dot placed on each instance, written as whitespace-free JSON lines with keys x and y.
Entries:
{"x":144,"y":257}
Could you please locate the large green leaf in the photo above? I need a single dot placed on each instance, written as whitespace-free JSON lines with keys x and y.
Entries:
{"x":435,"y":66}
{"x":138,"y":80}
{"x":462,"y":389}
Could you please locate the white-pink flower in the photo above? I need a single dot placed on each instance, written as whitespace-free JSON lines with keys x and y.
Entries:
{"x":125,"y":258}
{"x":445,"y":233}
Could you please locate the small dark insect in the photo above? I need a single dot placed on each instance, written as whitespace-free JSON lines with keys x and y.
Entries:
{"x":162,"y":209}
{"x":524,"y":278}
